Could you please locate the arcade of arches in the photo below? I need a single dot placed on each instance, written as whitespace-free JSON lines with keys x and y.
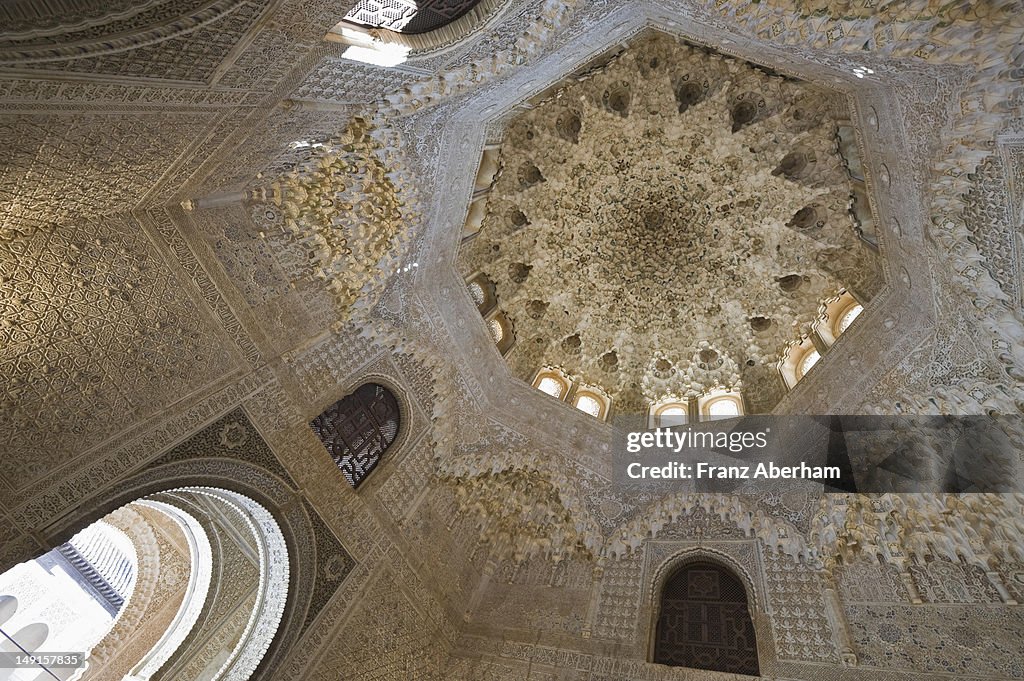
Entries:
{"x":318,"y":321}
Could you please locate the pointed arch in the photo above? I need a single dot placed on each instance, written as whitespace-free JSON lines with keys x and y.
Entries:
{"x":704,"y":617}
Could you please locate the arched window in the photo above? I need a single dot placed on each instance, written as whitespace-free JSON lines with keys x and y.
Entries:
{"x":723,"y":408}
{"x":497,"y":332}
{"x":720,"y":404}
{"x":476,"y":292}
{"x":835,"y":316}
{"x":704,"y":622}
{"x":588,"y":405}
{"x":847,"y":318}
{"x":500,"y":328}
{"x":673,"y":411}
{"x":68,"y":598}
{"x":481,"y":290}
{"x":670,"y":413}
{"x":129,"y":590}
{"x":358,"y":429}
{"x":591,"y":399}
{"x":798,"y":359}
{"x":553,"y":382}
{"x":552,"y":386}
{"x":809,"y":359}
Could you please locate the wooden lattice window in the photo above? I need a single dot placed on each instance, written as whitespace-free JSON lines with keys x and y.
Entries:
{"x":704,"y":622}
{"x":358,"y":429}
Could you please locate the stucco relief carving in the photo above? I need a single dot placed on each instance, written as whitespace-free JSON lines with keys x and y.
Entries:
{"x":199,"y":131}
{"x":43,"y":188}
{"x":668,"y":202}
{"x":345,"y":212}
{"x":93,"y":306}
{"x":171,"y":39}
{"x":159,"y":585}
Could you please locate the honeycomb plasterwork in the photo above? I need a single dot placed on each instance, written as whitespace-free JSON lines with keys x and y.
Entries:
{"x":466,"y":145}
{"x":841,"y":66}
{"x":645,"y":222}
{"x":991,"y":222}
{"x":344,"y":210}
{"x":407,"y":342}
{"x":889,"y":177}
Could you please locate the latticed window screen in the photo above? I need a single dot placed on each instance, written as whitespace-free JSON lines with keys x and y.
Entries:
{"x":705,"y":623}
{"x":409,"y":16}
{"x":358,"y":429}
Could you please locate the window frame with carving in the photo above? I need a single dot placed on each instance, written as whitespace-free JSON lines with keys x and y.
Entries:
{"x":381,"y":423}
{"x":656,"y":413}
{"x":594,"y":394}
{"x":555,"y":375}
{"x":708,"y":400}
{"x":744,"y":604}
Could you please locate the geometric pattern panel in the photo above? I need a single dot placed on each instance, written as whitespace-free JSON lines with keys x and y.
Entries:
{"x":979,"y":641}
{"x":58,"y":168}
{"x":801,"y":625}
{"x":358,"y":429}
{"x":407,"y":16}
{"x":704,"y":622}
{"x":96,"y":333}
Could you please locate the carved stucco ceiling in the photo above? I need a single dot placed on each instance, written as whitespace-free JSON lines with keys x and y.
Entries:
{"x":448,"y":362}
{"x":668,"y":223}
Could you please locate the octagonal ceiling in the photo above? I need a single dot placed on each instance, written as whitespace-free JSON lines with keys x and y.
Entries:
{"x":669,"y":222}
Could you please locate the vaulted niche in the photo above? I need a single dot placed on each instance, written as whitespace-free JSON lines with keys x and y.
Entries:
{"x":169,"y":586}
{"x":704,"y":621}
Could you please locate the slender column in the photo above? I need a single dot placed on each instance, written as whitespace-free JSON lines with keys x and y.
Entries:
{"x":911,"y":586}
{"x":595,"y":597}
{"x":997,"y":581}
{"x":837,"y":619}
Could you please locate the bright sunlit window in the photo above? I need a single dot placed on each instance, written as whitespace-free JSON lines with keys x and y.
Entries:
{"x":67,"y":599}
{"x":370,"y":51}
{"x":668,"y":414}
{"x":551,"y":386}
{"x":720,"y":404}
{"x":848,"y":318}
{"x":809,"y":360}
{"x":497,"y":332}
{"x":588,"y":405}
{"x":673,"y":415}
{"x":723,"y":408}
